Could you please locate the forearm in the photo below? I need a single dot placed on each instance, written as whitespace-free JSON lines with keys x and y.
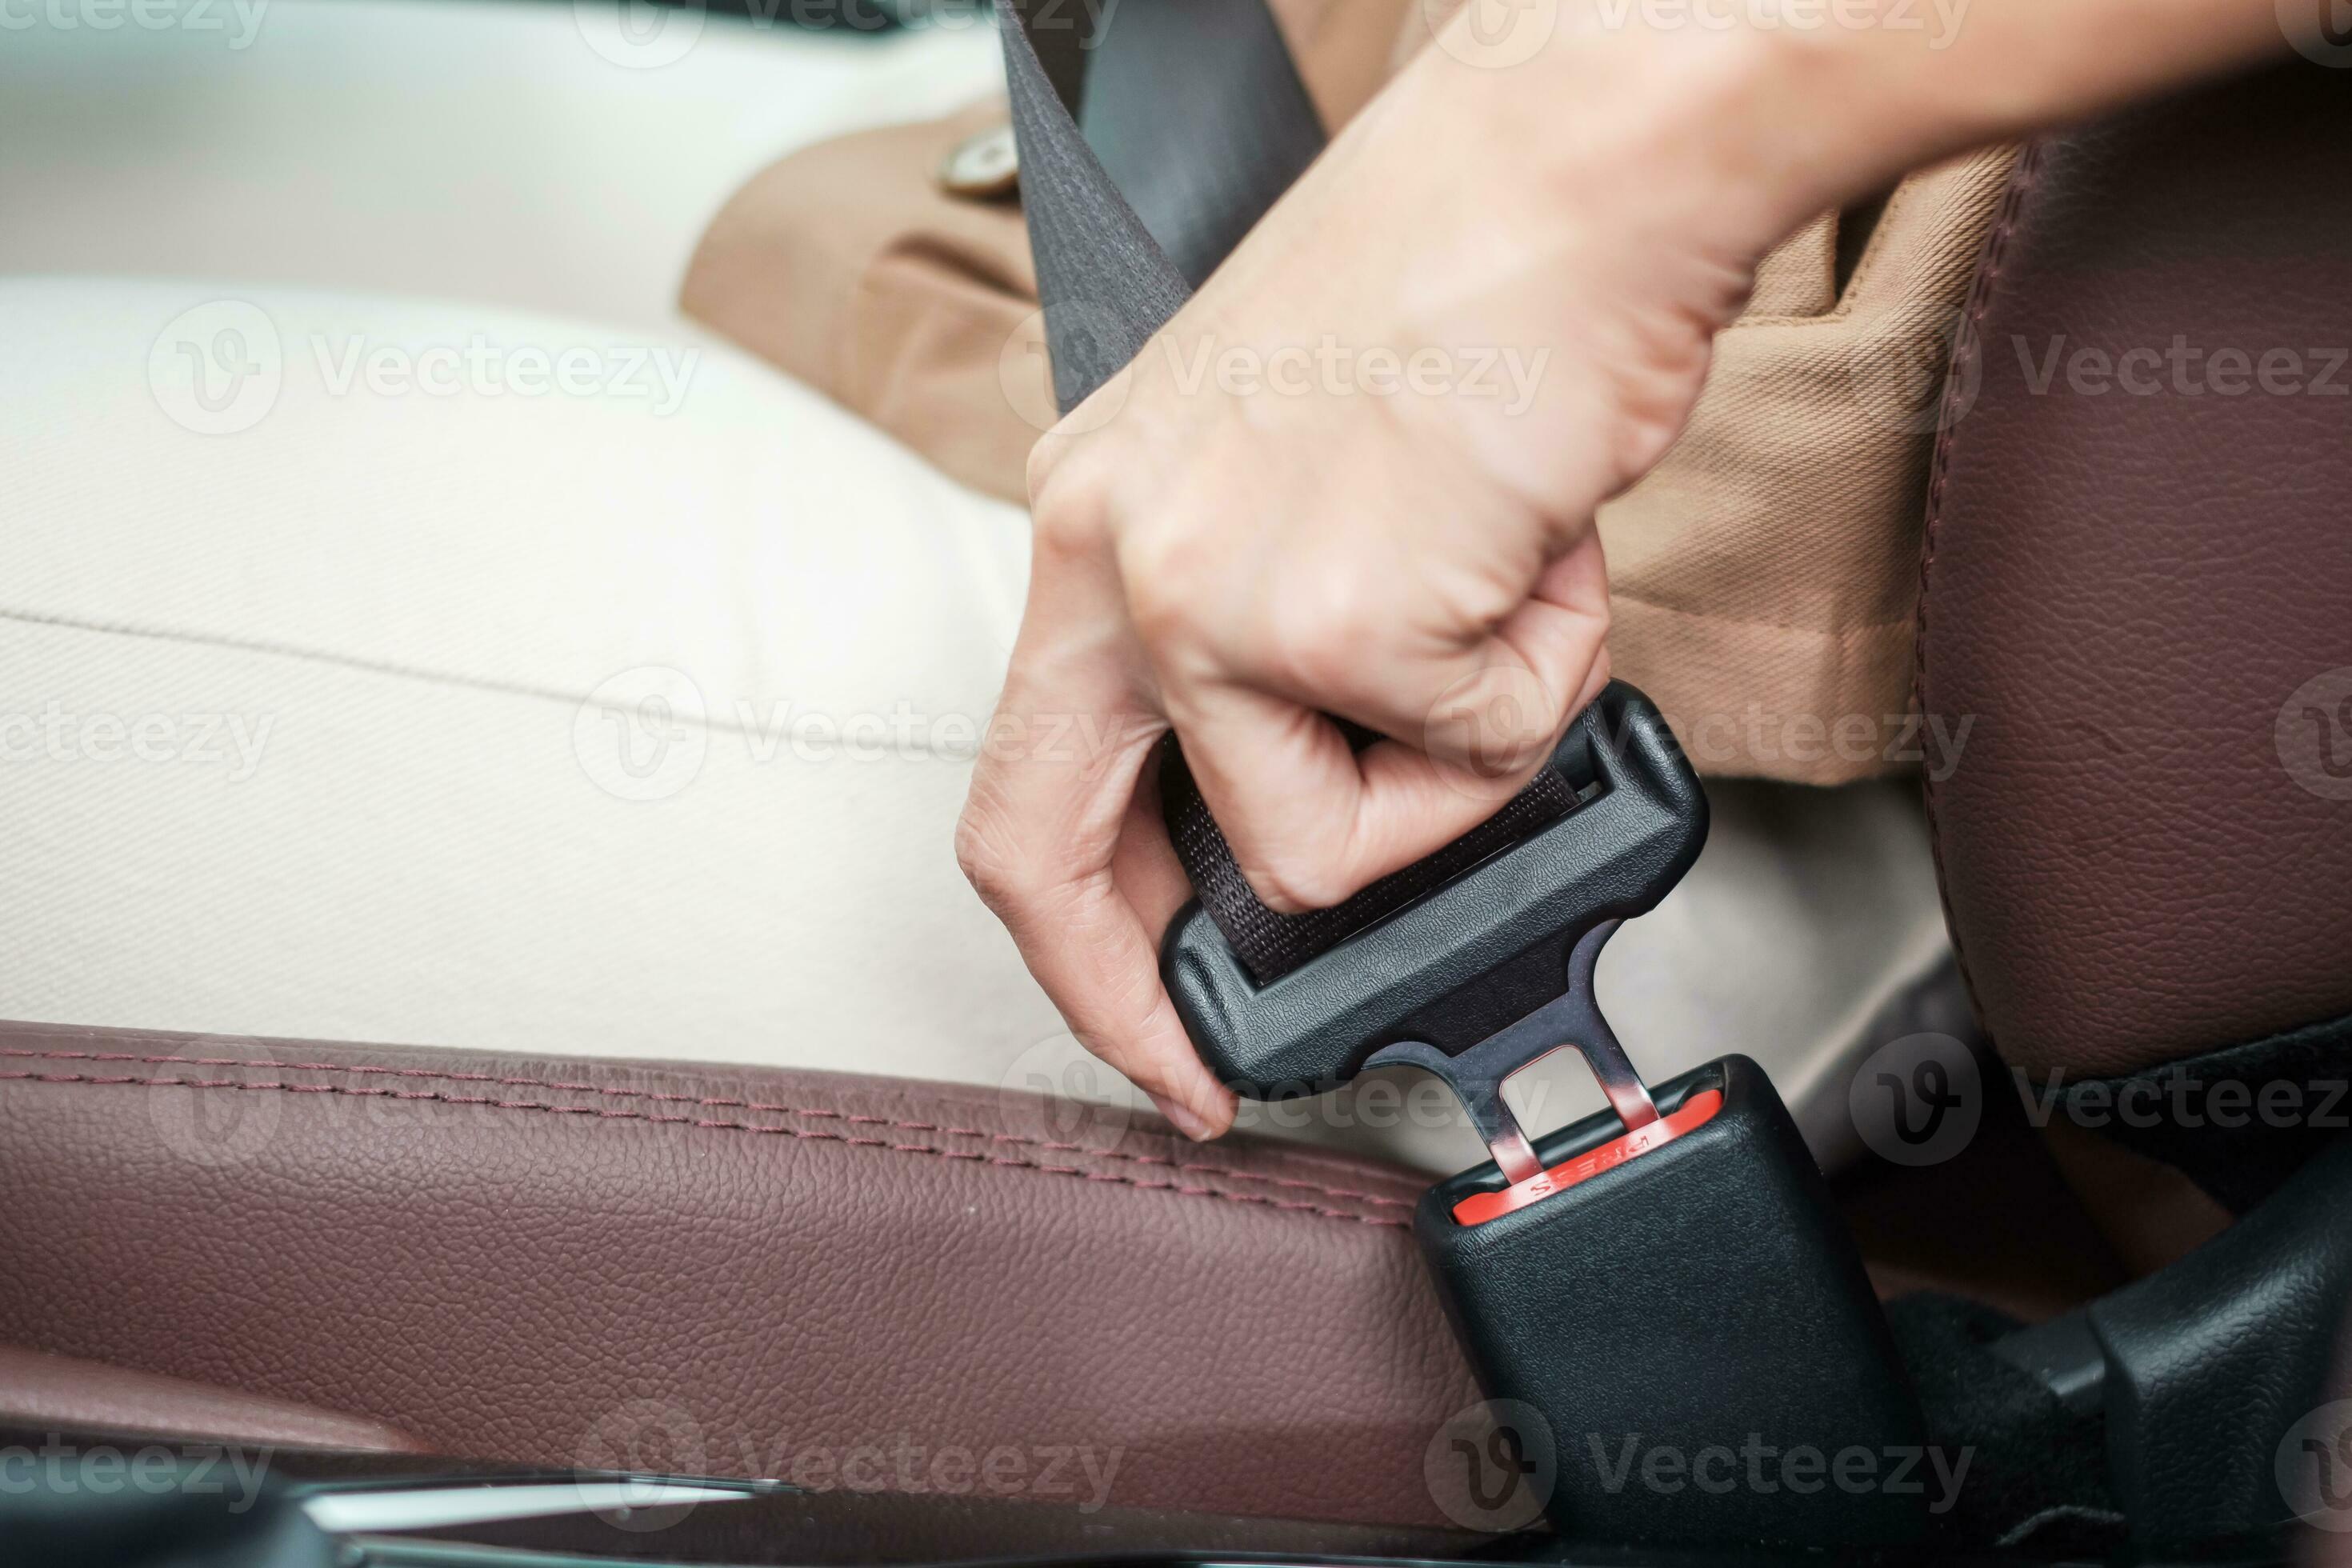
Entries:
{"x":1896,"y":100}
{"x":1423,"y":562}
{"x":1710,"y":118}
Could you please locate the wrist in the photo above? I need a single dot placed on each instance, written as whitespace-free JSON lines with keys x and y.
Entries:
{"x":1761,"y":115}
{"x":1730,"y":137}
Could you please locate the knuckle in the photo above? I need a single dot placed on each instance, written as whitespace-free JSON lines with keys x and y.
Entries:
{"x":1499,"y":720}
{"x":1070,"y":500}
{"x":1320,"y":644}
{"x":1169,"y":588}
{"x":1046,"y":459}
{"x":1164,"y":614}
{"x":1325,"y":661}
{"x":988,"y":860}
{"x":1064,"y":533}
{"x":1291,"y":884}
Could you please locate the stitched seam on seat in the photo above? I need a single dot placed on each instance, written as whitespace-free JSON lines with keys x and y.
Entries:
{"x":1969,"y":345}
{"x":711,"y":1103}
{"x":706,"y":1122}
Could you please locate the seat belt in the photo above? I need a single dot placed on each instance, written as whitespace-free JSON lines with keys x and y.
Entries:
{"x":1122,"y":230}
{"x":1104,"y":282}
{"x":1149,"y":144}
{"x":1456,"y":964}
{"x":1480,"y":960}
{"x":1199,"y":119}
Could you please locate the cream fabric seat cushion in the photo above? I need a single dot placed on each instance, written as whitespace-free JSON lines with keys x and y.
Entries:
{"x":501,"y":720}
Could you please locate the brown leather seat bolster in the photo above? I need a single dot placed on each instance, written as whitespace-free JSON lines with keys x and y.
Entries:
{"x":726,"y":1270}
{"x":58,"y":1394}
{"x":2136,"y":591}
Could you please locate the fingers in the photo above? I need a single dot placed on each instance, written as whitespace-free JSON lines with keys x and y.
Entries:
{"x":1311,"y":822}
{"x":1144,"y":866}
{"x":1493,"y":707}
{"x":1093,"y":956}
{"x":1069,"y":853}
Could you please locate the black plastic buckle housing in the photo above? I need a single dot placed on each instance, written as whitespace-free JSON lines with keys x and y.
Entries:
{"x":1482,"y":952}
{"x":1695,"y":1327}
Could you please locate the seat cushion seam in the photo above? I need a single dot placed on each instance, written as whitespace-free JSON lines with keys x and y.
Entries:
{"x":363,"y":664}
{"x":705,"y":1124}
{"x":272,"y":649}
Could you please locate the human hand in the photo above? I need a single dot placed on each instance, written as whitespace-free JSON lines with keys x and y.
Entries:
{"x":1395,"y":529}
{"x":1238,"y":563}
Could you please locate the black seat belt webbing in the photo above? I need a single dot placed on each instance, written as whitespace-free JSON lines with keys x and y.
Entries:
{"x":1196,"y":103}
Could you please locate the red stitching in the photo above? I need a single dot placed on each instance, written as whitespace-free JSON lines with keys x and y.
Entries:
{"x":705,"y":1123}
{"x":1047,"y":1145}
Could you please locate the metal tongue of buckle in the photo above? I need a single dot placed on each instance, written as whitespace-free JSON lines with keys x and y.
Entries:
{"x":1570,"y":1021}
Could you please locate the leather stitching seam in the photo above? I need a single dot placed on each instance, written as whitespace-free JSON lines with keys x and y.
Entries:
{"x":1970,"y":346}
{"x":717,"y":1124}
{"x":710,"y":1103}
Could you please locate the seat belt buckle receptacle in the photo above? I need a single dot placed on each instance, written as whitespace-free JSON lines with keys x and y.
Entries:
{"x":1665,"y":1284}
{"x":1682,"y":1308}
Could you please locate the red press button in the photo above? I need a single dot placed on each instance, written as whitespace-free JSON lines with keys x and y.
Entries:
{"x":1480,"y":1207}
